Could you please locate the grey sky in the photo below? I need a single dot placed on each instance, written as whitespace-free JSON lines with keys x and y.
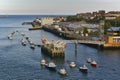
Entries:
{"x":56,"y":6}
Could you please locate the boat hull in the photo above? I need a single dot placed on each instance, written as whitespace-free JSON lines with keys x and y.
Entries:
{"x":72,"y":66}
{"x":50,"y":68}
{"x":83,"y":70}
{"x":24,"y":44}
{"x":94,"y":65}
{"x":63,"y":74}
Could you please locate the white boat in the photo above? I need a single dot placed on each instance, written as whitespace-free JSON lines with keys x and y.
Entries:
{"x":30,"y":42}
{"x":43,"y":62}
{"x":22,"y":34}
{"x":23,"y":42}
{"x":32,"y":46}
{"x":83,"y":69}
{"x":93,"y":63}
{"x":51,"y":66}
{"x":89,"y":60}
{"x":72,"y":64}
{"x":62,"y":71}
{"x":10,"y":37}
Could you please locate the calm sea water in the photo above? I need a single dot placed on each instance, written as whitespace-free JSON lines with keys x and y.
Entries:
{"x":19,"y":62}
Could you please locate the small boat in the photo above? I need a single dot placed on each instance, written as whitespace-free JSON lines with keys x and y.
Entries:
{"x":22,"y":34}
{"x":51,"y":66}
{"x":30,"y":42}
{"x":23,"y":42}
{"x":89,"y":60}
{"x":72,"y":64}
{"x":93,"y":63}
{"x":43,"y":62}
{"x":10,"y":36}
{"x":62,"y":71}
{"x":32,"y":46}
{"x":83,"y":69}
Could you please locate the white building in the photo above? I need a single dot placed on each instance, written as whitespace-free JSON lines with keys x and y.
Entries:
{"x":47,"y":21}
{"x":110,"y":17}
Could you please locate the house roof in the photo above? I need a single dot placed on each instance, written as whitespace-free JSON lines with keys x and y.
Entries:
{"x":114,"y":29}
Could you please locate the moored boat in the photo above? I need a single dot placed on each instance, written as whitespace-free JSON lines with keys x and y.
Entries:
{"x":10,"y":36}
{"x":51,"y":66}
{"x":43,"y":62}
{"x":22,"y":34}
{"x":83,"y":69}
{"x":23,"y":42}
{"x":32,"y":46}
{"x":72,"y":64}
{"x":30,"y":42}
{"x":93,"y":63}
{"x":62,"y":71}
{"x":89,"y":60}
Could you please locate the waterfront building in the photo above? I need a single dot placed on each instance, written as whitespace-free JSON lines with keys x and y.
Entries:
{"x":113,"y":31}
{"x":110,"y":17}
{"x":113,"y":34}
{"x":47,"y":21}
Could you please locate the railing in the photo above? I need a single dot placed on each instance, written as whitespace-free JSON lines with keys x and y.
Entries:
{"x":84,"y":41}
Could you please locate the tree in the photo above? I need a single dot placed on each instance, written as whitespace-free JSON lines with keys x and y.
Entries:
{"x":85,"y":30}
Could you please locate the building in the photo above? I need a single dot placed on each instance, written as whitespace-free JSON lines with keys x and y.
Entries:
{"x":90,"y":15}
{"x":110,"y":17}
{"x":47,"y":21}
{"x":113,"y":31}
{"x":101,"y":12}
{"x":114,"y":40}
{"x":113,"y":35}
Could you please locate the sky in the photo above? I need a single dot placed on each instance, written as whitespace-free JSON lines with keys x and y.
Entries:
{"x":56,"y":6}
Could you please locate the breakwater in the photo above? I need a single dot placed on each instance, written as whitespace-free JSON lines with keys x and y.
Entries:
{"x":82,"y":40}
{"x":63,"y":34}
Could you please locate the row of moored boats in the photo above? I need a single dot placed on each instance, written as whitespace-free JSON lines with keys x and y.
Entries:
{"x":24,"y":39}
{"x":62,"y":71}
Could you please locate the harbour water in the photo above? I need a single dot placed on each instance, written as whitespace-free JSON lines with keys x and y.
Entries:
{"x":19,"y":62}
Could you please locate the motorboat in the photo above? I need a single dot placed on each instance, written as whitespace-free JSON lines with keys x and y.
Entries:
{"x":83,"y":69}
{"x":62,"y":71}
{"x":30,"y":42}
{"x":72,"y":64}
{"x":89,"y":60}
{"x":22,"y":34}
{"x":32,"y":46}
{"x":10,"y":36}
{"x":23,"y":42}
{"x":51,"y":66}
{"x":93,"y":63}
{"x":43,"y":62}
